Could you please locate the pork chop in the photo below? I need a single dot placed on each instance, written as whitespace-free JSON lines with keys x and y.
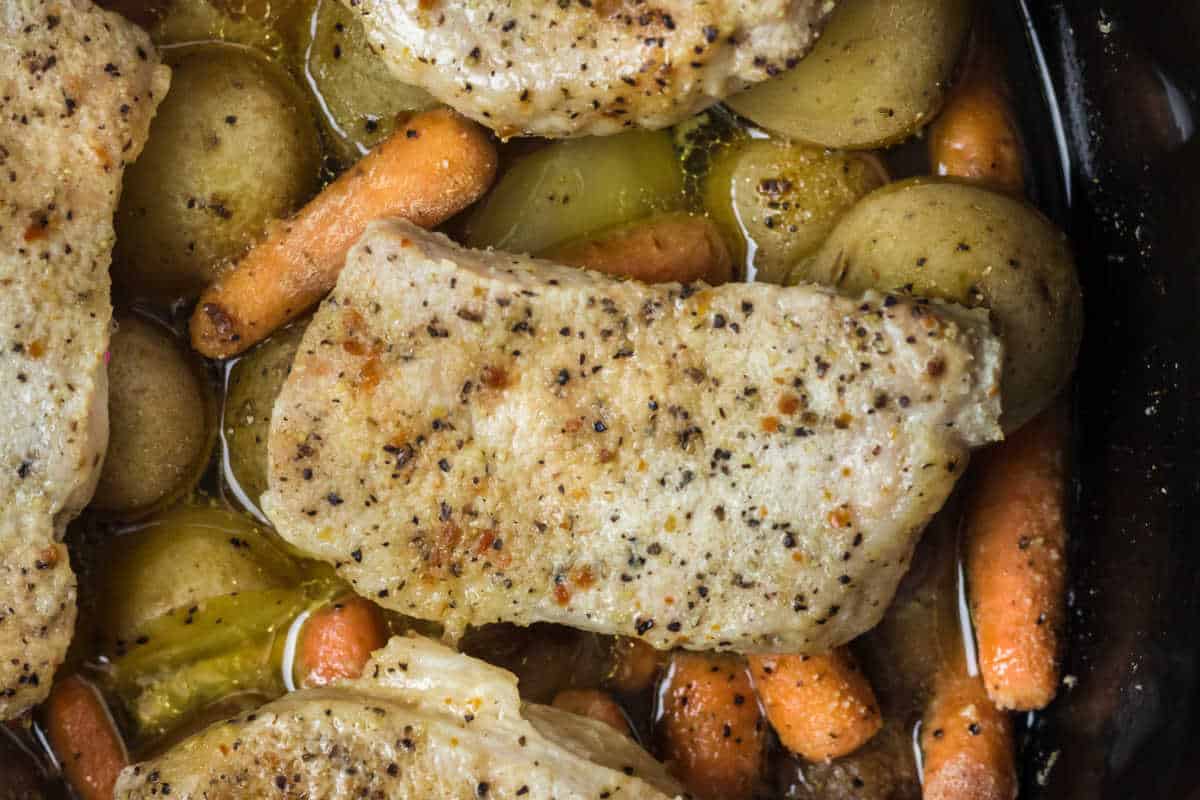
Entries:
{"x":549,"y":68}
{"x":423,"y":722}
{"x":78,"y":87}
{"x":475,"y":437}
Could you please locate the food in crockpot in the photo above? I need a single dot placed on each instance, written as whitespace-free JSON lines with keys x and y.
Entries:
{"x":429,"y":171}
{"x":161,"y":420}
{"x":878,"y":74}
{"x":233,"y":147}
{"x":361,"y":100}
{"x":66,"y":133}
{"x":778,"y":201}
{"x":568,"y":190}
{"x":950,"y":240}
{"x":435,"y":410}
{"x":572,"y":69}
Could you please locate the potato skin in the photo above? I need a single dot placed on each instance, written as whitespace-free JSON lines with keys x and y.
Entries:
{"x":360,"y":99}
{"x":162,"y":420}
{"x":233,"y":146}
{"x":947,"y":239}
{"x":778,"y":201}
{"x":877,"y":74}
{"x":254,"y":383}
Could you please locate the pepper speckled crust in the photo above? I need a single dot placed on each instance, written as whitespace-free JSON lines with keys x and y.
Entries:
{"x":475,"y":437}
{"x":78,"y":87}
{"x":423,"y":722}
{"x":552,"y":68}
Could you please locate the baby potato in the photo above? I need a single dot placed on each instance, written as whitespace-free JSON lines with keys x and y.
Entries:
{"x":778,"y":201}
{"x":232,"y":147}
{"x":575,"y":187}
{"x":877,"y":74}
{"x":161,"y":420}
{"x":360,"y":99}
{"x":183,"y":556}
{"x":958,"y":242}
{"x":254,"y":383}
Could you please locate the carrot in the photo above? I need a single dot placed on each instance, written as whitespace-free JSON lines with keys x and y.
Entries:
{"x":594,"y":704}
{"x":967,"y":743}
{"x":821,"y":706}
{"x":338,"y":640}
{"x":429,"y":170}
{"x":634,"y":665}
{"x":1016,"y":562}
{"x":713,"y":735}
{"x":976,"y":135}
{"x":671,"y":247}
{"x":84,"y":737}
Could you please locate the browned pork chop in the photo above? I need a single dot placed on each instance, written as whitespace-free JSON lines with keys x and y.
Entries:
{"x":424,"y":722}
{"x":78,"y":87}
{"x":551,"y":68}
{"x":475,"y":437}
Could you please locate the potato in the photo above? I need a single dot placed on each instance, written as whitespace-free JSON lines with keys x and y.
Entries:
{"x":575,"y":187}
{"x":777,"y":202}
{"x":877,"y":74}
{"x":254,"y":383}
{"x":951,"y":240}
{"x":162,"y":420}
{"x":359,"y":97}
{"x":191,"y":553}
{"x":233,"y":146}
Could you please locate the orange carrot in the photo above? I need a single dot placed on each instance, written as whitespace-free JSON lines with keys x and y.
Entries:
{"x":821,"y":706}
{"x":966,"y":741}
{"x":634,"y":665}
{"x":976,"y":135}
{"x":84,"y":737}
{"x":594,"y":704}
{"x":337,"y":641}
{"x":672,"y":247}
{"x":1016,"y":562}
{"x":427,"y":171}
{"x":713,"y":734}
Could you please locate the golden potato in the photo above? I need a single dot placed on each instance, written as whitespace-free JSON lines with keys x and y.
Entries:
{"x":777,"y":202}
{"x":233,"y":146}
{"x":962,"y":243}
{"x":575,"y":187}
{"x":254,"y":383}
{"x":186,"y":555}
{"x":877,"y":74}
{"x":359,"y":97}
{"x":161,"y":420}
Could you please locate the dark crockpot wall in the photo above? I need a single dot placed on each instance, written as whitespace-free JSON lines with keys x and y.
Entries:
{"x":1122,"y":80}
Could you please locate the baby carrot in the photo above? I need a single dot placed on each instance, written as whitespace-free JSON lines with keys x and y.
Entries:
{"x":821,"y":706}
{"x":427,"y":171}
{"x":337,"y":641}
{"x":976,"y":135}
{"x":967,"y":743}
{"x":594,"y":704}
{"x":84,"y":738}
{"x":634,"y":665}
{"x":671,"y":247}
{"x":1016,"y":564}
{"x":713,"y":734}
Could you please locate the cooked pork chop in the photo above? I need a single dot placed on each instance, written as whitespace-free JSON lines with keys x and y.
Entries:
{"x":78,"y":87}
{"x":424,"y":722}
{"x":473,"y":437}
{"x":550,"y":68}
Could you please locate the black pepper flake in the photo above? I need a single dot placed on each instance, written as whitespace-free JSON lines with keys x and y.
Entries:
{"x":564,"y":376}
{"x":974,"y":729}
{"x":356,"y":554}
{"x":443,"y":465}
{"x":482,"y":789}
{"x":643,"y":625}
{"x":599,"y":426}
{"x":334,"y":499}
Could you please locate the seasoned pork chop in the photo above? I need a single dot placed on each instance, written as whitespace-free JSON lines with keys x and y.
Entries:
{"x":474,"y":437}
{"x":550,"y":68}
{"x":78,"y":87}
{"x":424,"y":722}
